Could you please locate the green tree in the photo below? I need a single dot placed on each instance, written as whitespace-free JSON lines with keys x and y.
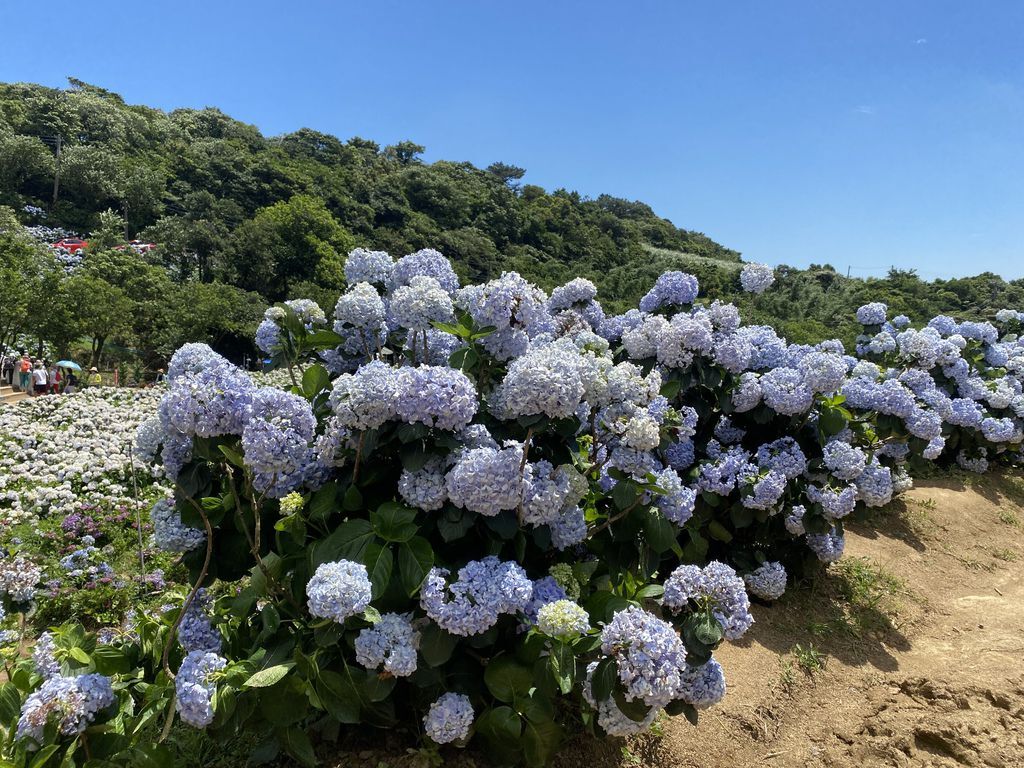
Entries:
{"x":288,"y":242}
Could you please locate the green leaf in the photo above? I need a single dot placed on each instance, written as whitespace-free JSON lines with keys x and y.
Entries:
{"x":719,"y":532}
{"x":324,"y":339}
{"x":659,"y":532}
{"x":436,"y":645}
{"x":379,"y":562}
{"x":680,"y":707}
{"x":562,"y":663}
{"x":339,"y":697}
{"x":541,"y":740}
{"x":624,"y":494}
{"x":353,"y":499}
{"x":415,"y":559}
{"x":232,"y":455}
{"x":347,"y":542}
{"x":315,"y":379}
{"x":606,"y":675}
{"x":394,"y":522}
{"x":42,"y":757}
{"x":454,"y":523}
{"x":634,"y":709}
{"x":505,"y":677}
{"x":269,"y":676}
{"x":296,"y":743}
{"x":80,"y":656}
{"x":10,"y":704}
{"x":650,"y":592}
{"x":500,"y":728}
{"x":322,"y":504}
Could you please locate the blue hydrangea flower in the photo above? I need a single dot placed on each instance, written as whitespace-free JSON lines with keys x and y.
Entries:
{"x":611,"y":719}
{"x":365,"y":399}
{"x":195,"y":632}
{"x":795,"y":520}
{"x":785,"y":391}
{"x":215,"y":401}
{"x":746,"y":395}
{"x":568,"y":529}
{"x":545,"y":490}
{"x":677,"y":503}
{"x":276,"y":442}
{"x":449,"y":718}
{"x":874,"y":485}
{"x":716,"y":587}
{"x":421,"y":303}
{"x":338,"y":590}
{"x":483,"y":591}
{"x":783,"y":455}
{"x":486,"y":480}
{"x":756,"y":278}
{"x":373,"y":267}
{"x":703,"y":686}
{"x":768,"y":581}
{"x":391,"y":642}
{"x":425,"y":263}
{"x":835,"y":503}
{"x":546,"y":380}
{"x":545,"y":590}
{"x":169,"y":533}
{"x":195,"y":685}
{"x":671,"y":289}
{"x":650,"y":656}
{"x":192,"y":358}
{"x":438,"y":397}
{"x":72,"y":703}
{"x":872,"y":313}
{"x":44,"y":657}
{"x":424,"y":488}
{"x":765,"y":489}
{"x":843,"y":460}
{"x":827,"y":546}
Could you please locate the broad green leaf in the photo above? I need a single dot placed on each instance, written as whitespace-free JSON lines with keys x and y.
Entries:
{"x":415,"y":559}
{"x":505,"y":677}
{"x":269,"y":676}
{"x":394,"y":522}
{"x":379,"y":563}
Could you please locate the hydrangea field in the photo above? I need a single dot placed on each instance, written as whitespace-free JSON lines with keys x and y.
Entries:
{"x":483,"y":515}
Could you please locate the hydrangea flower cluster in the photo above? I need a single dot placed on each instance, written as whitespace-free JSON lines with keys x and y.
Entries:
{"x":715,"y":587}
{"x":756,"y":278}
{"x":482,"y":592}
{"x":391,"y":642}
{"x":449,"y":718}
{"x":195,"y":685}
{"x":338,"y":590}
{"x":70,"y":702}
{"x":563,"y":619}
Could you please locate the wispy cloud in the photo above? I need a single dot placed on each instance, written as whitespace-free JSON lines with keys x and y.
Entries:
{"x":921,"y":41}
{"x":864,"y":109}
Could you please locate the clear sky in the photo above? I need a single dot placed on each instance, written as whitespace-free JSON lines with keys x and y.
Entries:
{"x":864,"y":134}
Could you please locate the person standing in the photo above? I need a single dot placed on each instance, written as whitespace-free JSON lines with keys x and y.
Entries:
{"x":94,"y":380}
{"x":25,"y":373}
{"x":39,"y":379}
{"x":54,"y":379}
{"x":161,"y":377}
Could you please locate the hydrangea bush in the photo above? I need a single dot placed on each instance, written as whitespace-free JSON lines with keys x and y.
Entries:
{"x":492,"y":516}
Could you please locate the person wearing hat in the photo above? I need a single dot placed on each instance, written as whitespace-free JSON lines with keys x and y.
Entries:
{"x":94,"y":379}
{"x":161,"y":377}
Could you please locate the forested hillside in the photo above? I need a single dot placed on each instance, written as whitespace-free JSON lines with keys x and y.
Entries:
{"x":241,"y":219}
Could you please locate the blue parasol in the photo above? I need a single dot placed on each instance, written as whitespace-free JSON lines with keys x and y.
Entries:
{"x":69,"y":364}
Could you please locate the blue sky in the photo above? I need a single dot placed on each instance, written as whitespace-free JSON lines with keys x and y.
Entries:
{"x":862,"y":134}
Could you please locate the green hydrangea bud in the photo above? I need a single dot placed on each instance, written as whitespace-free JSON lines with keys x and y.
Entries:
{"x":563,"y":619}
{"x":292,"y":503}
{"x":566,"y":579}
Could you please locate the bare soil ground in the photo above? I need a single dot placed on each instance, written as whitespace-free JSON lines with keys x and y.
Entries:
{"x":908,"y":652}
{"x":924,"y":667}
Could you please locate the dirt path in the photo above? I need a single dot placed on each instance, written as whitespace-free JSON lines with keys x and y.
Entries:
{"x":925,"y":668}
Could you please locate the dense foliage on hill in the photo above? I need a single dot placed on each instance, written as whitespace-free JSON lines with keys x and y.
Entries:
{"x":235,"y":212}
